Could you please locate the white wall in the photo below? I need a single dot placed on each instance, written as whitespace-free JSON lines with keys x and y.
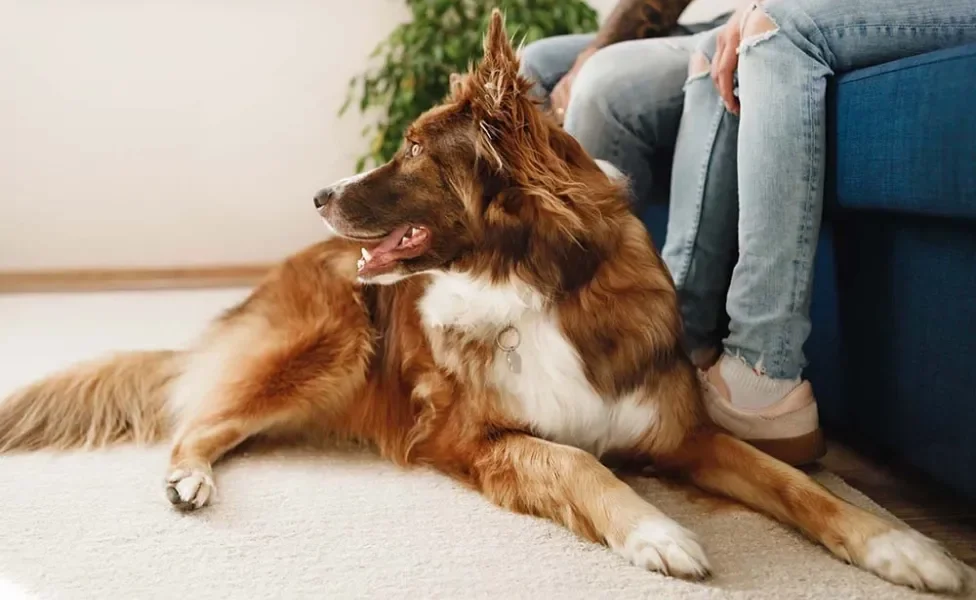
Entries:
{"x":174,"y":132}
{"x":697,"y":11}
{"x":142,"y":133}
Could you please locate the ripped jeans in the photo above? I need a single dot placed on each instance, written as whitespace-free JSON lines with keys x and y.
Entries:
{"x":626,"y":99}
{"x":747,"y":191}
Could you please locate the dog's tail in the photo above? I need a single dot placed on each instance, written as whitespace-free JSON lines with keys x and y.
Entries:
{"x":121,"y":398}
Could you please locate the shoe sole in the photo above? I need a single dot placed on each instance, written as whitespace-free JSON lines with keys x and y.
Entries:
{"x":797,"y":451}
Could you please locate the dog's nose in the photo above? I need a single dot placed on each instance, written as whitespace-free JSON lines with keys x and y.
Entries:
{"x":323,"y":197}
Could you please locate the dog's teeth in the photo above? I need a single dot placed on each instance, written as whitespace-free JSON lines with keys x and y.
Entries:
{"x":360,"y":264}
{"x":414,"y":231}
{"x":366,"y":255}
{"x":405,"y":239}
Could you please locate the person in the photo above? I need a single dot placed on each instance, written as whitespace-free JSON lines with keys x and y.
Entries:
{"x":747,"y":189}
{"x":747,"y":193}
{"x":619,"y":91}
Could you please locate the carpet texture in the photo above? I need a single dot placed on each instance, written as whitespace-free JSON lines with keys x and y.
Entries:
{"x":340,"y":524}
{"x":295,"y":524}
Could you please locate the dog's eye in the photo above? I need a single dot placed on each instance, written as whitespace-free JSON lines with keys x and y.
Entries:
{"x":415,"y":149}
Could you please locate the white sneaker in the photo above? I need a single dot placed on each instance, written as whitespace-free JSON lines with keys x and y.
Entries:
{"x":788,"y":429}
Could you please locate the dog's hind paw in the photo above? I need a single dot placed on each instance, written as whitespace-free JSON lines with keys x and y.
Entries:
{"x":908,"y":558}
{"x":189,"y":489}
{"x":660,"y":544}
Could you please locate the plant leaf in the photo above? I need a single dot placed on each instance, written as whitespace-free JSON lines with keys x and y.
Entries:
{"x":414,"y":62}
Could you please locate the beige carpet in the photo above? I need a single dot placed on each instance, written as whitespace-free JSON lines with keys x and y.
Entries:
{"x":297,"y":524}
{"x":294,"y":525}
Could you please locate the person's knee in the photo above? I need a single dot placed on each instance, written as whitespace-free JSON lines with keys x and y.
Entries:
{"x":597,"y":114}
{"x":593,"y":88}
{"x":604,"y":87}
{"x":698,"y":65}
{"x":532,"y":59}
{"x":627,"y":99}
{"x":757,"y":25}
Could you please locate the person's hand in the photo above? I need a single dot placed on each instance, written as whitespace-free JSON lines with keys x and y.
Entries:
{"x":726,"y":58}
{"x":559,"y":98}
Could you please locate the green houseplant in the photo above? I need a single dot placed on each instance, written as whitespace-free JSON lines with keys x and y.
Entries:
{"x":444,"y":36}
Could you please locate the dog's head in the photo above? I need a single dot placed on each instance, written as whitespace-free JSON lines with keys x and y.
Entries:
{"x":485,"y":183}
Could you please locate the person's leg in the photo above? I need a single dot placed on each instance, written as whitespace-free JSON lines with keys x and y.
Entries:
{"x":647,"y":74}
{"x":700,"y":246}
{"x":701,"y":251}
{"x":546,"y":61}
{"x":789,"y":49}
{"x":626,"y":104}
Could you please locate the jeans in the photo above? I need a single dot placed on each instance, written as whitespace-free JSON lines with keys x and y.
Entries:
{"x":626,"y":99}
{"x":747,"y":192}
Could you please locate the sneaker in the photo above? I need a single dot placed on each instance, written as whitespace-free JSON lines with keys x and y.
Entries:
{"x":788,"y":429}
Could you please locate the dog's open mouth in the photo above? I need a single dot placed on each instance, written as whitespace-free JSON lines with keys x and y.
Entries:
{"x":400,"y":244}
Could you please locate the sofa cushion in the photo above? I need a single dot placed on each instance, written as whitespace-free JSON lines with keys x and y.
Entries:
{"x":903,"y":136}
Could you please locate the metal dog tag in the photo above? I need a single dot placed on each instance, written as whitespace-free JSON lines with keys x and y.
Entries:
{"x":514,"y":361}
{"x":508,"y":341}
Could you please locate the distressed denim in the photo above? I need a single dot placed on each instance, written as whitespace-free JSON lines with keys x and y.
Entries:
{"x":626,"y":100}
{"x":747,"y":192}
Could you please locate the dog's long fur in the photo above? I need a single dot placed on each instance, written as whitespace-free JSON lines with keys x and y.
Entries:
{"x":524,"y":230}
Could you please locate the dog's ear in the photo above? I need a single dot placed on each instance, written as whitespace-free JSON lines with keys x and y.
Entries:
{"x":518,"y":142}
{"x":496,"y":83}
{"x":498,"y":48}
{"x":498,"y":94}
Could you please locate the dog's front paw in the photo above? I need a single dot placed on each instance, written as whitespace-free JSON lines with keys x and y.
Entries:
{"x":908,"y":558}
{"x":660,"y":544}
{"x":189,"y":488}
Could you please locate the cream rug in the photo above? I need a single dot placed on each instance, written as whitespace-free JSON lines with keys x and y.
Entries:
{"x":295,"y":525}
{"x":302,"y":524}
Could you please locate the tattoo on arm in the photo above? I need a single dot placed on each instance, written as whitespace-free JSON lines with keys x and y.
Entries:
{"x":637,"y":19}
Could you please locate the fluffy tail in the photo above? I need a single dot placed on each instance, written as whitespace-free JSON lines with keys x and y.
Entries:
{"x":121,"y":398}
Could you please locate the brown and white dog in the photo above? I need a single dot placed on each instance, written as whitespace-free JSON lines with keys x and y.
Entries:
{"x":490,"y":308}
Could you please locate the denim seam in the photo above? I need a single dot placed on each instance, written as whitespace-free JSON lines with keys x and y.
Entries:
{"x":700,"y":192}
{"x":899,"y":30}
{"x":782,"y":346}
{"x":834,"y":28}
{"x":803,"y":261}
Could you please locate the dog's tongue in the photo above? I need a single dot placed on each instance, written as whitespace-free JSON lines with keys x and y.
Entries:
{"x":382,"y":257}
{"x":391,"y":241}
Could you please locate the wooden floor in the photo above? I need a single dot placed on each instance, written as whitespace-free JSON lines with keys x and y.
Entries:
{"x":925,"y":506}
{"x":103,"y":280}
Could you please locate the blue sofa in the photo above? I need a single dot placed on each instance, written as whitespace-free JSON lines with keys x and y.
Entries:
{"x":893,"y":348}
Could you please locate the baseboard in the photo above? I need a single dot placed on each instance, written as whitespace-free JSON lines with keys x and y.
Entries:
{"x":93,"y":280}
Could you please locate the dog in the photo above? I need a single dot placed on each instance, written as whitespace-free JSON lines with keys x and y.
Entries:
{"x":489,"y":307}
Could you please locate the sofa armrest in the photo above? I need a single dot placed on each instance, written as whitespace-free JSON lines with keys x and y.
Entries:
{"x":903,"y":136}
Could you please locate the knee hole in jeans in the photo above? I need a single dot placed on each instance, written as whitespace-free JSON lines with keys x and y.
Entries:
{"x":757,"y":26}
{"x":698,"y":65}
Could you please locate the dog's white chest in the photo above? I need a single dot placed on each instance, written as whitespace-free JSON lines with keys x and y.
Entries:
{"x":552,"y":394}
{"x":550,"y":391}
